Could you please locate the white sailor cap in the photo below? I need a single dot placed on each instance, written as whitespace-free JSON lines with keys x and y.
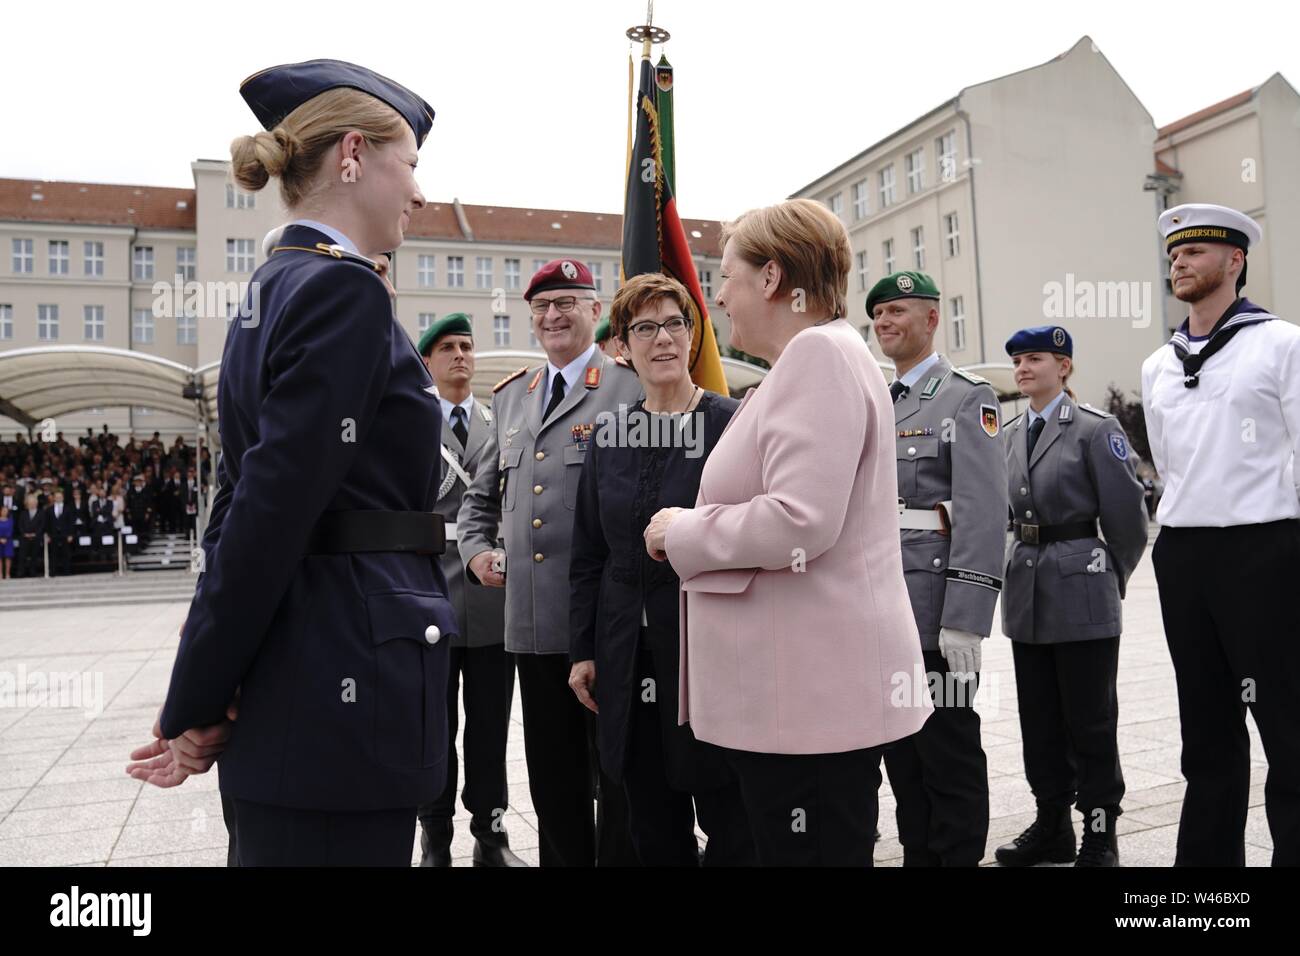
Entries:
{"x":1205,"y":222}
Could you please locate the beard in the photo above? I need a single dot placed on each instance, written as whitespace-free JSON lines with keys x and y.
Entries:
{"x":1202,"y":285}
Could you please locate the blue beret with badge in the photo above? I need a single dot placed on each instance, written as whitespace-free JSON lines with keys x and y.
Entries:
{"x":1041,"y":338}
{"x":274,"y":93}
{"x":454,"y":323}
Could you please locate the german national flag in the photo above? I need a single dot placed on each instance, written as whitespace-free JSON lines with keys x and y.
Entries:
{"x":653,"y":237}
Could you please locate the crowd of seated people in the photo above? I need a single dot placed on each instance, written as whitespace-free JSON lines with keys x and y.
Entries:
{"x":72,"y":503}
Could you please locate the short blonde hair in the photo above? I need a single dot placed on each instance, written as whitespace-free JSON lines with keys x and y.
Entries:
{"x":645,"y":290}
{"x":807,"y":241}
{"x":295,"y":150}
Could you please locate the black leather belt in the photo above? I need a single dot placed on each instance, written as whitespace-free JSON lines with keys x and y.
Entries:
{"x":1048,"y":533}
{"x":345,"y":532}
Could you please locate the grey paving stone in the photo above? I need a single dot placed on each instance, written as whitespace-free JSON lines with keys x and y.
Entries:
{"x":59,"y":849}
{"x":86,"y":816}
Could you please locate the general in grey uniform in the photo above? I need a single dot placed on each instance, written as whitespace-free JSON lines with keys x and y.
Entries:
{"x":952,"y":477}
{"x":478,"y":654}
{"x":545,"y":419}
{"x":1079,"y":529}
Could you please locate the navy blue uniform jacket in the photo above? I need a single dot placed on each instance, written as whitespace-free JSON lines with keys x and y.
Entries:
{"x":324,"y":405}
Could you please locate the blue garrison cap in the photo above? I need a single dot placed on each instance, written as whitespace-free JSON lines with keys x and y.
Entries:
{"x":1041,"y":338}
{"x":277,"y":91}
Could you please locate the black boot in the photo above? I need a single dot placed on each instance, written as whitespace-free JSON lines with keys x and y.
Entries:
{"x":435,"y":842}
{"x":1100,"y":846}
{"x":491,"y":843}
{"x":1049,"y":839}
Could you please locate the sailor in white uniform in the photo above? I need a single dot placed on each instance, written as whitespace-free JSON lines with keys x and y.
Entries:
{"x":1222,"y":404}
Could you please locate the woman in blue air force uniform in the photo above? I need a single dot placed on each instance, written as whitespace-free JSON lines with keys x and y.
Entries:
{"x":322,"y":608}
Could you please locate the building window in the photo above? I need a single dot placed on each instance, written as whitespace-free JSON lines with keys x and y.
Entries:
{"x":239,"y":255}
{"x":142,"y":264}
{"x":863,"y":273}
{"x":836,"y":204}
{"x":534,"y":344}
{"x":6,"y":321}
{"x":952,"y":241}
{"x":142,"y":327}
{"x":187,"y":328}
{"x":185,"y":263}
{"x":483,"y":272}
{"x":93,"y":257}
{"x":957,"y":316}
{"x":537,"y":265}
{"x":59,"y":257}
{"x":94,"y":322}
{"x":455,"y":272}
{"x":887,"y":255}
{"x":597,"y":275}
{"x":887,"y":186}
{"x":23,"y":256}
{"x":512,"y":274}
{"x":47,"y":322}
{"x":238,"y":199}
{"x":426,"y":320}
{"x":501,"y":330}
{"x":861,"y":200}
{"x":706,"y":282}
{"x":915,"y":161}
{"x":918,"y":247}
{"x":945,"y":148}
{"x":425,"y":271}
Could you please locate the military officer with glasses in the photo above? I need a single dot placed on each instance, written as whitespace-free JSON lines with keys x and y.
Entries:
{"x":545,"y":418}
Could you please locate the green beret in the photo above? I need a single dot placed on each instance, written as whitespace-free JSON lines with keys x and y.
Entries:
{"x":901,"y":285}
{"x":455,"y":323}
{"x":602,"y":329}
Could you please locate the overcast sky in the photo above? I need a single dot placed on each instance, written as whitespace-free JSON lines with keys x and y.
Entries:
{"x":531,"y":97}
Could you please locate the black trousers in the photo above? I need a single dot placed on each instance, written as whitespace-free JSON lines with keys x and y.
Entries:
{"x":281,"y":836}
{"x":489,"y":675}
{"x":1227,"y":598}
{"x":810,"y":809}
{"x":31,"y":558}
{"x":661,"y":819}
{"x":1069,"y":714}
{"x":564,"y":772}
{"x":940,"y":777}
{"x":60,"y":555}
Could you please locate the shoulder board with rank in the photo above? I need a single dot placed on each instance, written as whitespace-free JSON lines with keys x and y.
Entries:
{"x":970,"y":376}
{"x":1096,"y":411}
{"x":509,"y":378}
{"x":333,"y":250}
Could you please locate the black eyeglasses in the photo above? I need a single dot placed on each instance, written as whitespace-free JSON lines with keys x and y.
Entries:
{"x":677,"y":326}
{"x":563,"y":305}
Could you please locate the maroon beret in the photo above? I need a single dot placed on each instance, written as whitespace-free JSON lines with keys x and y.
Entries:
{"x":560,"y":274}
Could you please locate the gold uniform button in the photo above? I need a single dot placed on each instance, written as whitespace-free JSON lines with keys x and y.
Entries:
{"x":540,"y":455}
{"x":538,"y":557}
{"x":537,"y":522}
{"x":537,"y":489}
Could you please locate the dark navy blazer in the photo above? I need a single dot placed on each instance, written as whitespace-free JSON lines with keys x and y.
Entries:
{"x":324,"y":405}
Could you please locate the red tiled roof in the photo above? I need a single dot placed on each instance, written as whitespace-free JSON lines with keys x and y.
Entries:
{"x":1193,"y":119}
{"x":145,"y":207}
{"x":1164,"y":169}
{"x":156,"y":207}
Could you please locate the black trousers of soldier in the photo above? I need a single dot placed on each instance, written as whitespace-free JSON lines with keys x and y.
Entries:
{"x":810,"y":809}
{"x":563,"y":772}
{"x":1069,"y":715}
{"x":282,"y":836}
{"x":940,"y":778}
{"x":31,"y":559}
{"x":60,"y":555}
{"x":661,"y":819}
{"x":1227,"y":597}
{"x":489,"y":676}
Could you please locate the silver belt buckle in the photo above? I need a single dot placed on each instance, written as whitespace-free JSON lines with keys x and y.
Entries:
{"x":1029,"y":533}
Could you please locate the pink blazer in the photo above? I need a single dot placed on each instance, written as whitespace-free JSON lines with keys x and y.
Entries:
{"x":797,"y":635}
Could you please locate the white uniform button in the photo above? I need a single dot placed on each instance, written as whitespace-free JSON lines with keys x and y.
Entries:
{"x":538,"y":557}
{"x":1029,"y":562}
{"x":537,"y":522}
{"x":936,"y":562}
{"x":540,"y":455}
{"x":537,"y":489}
{"x":1024,"y":491}
{"x":432,"y":634}
{"x":1029,"y":514}
{"x":911,"y":451}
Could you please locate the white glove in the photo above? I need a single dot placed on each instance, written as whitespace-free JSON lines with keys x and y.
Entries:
{"x":961,"y":649}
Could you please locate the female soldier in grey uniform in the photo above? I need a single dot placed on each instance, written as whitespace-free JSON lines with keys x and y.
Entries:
{"x":1070,"y":471}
